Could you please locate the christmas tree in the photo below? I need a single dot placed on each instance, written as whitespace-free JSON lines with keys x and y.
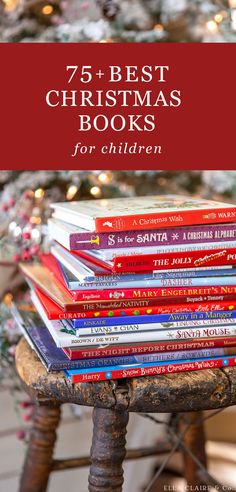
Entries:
{"x":117,"y":20}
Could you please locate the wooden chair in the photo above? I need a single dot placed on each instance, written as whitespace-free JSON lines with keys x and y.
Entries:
{"x":112,"y":401}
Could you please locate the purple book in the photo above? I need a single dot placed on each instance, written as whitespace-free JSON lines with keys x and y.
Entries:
{"x":74,"y":238}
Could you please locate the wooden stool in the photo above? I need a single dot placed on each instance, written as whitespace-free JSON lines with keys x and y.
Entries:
{"x":112,"y":401}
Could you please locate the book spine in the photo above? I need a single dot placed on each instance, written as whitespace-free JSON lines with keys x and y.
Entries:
{"x":145,"y":263}
{"x":226,"y":304}
{"x":138,"y":359}
{"x":148,"y":348}
{"x":137,"y":328}
{"x":153,"y":280}
{"x":165,"y":219}
{"x":106,"y":256}
{"x":178,"y":287}
{"x":148,"y":370}
{"x":155,"y":237}
{"x":156,"y":318}
{"x":148,"y":336}
{"x":146,"y":303}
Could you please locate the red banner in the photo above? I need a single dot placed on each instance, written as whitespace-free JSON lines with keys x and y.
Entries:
{"x":117,"y":106}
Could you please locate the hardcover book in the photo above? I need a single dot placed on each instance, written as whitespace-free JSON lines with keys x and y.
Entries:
{"x":191,"y":259}
{"x":96,"y":351}
{"x":149,"y":369}
{"x":137,"y":213}
{"x":153,"y":318}
{"x":55,"y":312}
{"x":75,"y":238}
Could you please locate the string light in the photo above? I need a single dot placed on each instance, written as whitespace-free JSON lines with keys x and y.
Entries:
{"x":105,"y":177}
{"x":35,"y":220}
{"x":159,"y":27}
{"x":47,"y":10}
{"x":71,"y":192}
{"x":212,"y":26}
{"x":10,"y":5}
{"x":39,"y":193}
{"x":218,"y":18}
{"x":108,"y":40}
{"x":8,"y":298}
{"x":95,"y":191}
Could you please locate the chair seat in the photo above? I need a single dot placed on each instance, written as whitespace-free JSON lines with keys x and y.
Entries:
{"x":177,"y":392}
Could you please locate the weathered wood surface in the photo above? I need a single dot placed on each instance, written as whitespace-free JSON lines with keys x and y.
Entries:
{"x":179,"y":392}
{"x":39,"y":458}
{"x":108,"y":450}
{"x":192,"y":429}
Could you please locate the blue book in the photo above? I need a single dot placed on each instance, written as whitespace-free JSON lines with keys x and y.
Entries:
{"x":226,"y":276}
{"x":150,"y":318}
{"x":148,"y":369}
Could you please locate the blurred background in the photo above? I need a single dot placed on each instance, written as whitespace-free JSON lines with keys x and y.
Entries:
{"x":25,"y":198}
{"x":117,"y":20}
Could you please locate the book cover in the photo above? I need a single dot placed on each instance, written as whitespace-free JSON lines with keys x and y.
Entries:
{"x":139,"y":213}
{"x":96,"y":351}
{"x":75,"y":238}
{"x":149,"y":369}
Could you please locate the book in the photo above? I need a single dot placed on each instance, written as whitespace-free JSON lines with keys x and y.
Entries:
{"x":202,"y":286}
{"x":75,"y":238}
{"x":65,"y":337}
{"x":151,"y":279}
{"x":55,"y":359}
{"x":85,"y":270}
{"x":142,"y":263}
{"x":149,"y":369}
{"x":152,"y":318}
{"x":148,"y":212}
{"x":55,"y":312}
{"x":105,"y":257}
{"x":137,"y":328}
{"x":96,"y":351}
{"x":145,"y":263}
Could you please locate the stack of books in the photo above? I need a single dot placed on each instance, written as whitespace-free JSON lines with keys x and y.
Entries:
{"x":134,"y":287}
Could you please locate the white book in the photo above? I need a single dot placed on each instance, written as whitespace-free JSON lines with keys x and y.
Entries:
{"x":72,"y":263}
{"x":55,"y":327}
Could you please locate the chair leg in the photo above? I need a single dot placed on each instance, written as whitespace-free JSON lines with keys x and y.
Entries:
{"x":38,"y":461}
{"x":194,"y":440}
{"x":108,"y":450}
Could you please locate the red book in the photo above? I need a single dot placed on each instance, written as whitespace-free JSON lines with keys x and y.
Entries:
{"x":55,"y":312}
{"x":183,"y":259}
{"x":147,"y":348}
{"x":153,"y":293}
{"x":139,"y":213}
{"x":148,"y":370}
